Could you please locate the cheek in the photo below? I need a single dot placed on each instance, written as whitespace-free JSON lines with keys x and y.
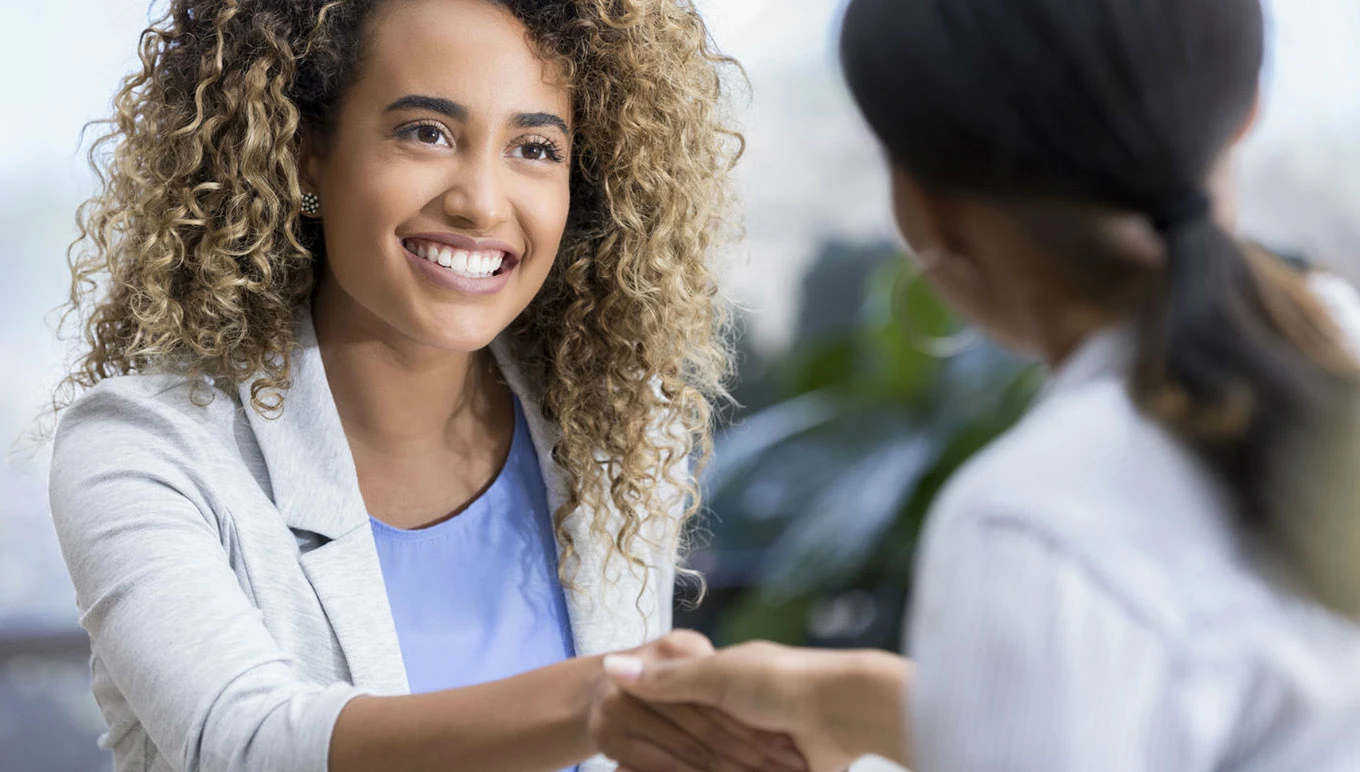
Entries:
{"x":542,"y":212}
{"x":975,"y":301}
{"x":363,"y":202}
{"x":905,"y":215}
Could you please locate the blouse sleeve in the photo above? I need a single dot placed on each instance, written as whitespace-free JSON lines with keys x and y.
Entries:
{"x":1027,"y":663}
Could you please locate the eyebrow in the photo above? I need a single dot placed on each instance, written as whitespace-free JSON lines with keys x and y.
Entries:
{"x":444,"y":107}
{"x":457,"y":112}
{"x":537,"y":120}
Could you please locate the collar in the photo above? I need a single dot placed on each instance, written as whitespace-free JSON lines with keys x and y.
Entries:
{"x":1105,"y":352}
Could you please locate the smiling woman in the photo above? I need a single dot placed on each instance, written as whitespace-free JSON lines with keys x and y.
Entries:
{"x":399,"y":333}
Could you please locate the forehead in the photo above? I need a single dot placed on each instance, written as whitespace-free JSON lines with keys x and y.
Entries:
{"x":472,"y":51}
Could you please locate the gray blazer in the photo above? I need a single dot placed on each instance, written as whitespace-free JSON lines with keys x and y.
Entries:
{"x":226,"y":572}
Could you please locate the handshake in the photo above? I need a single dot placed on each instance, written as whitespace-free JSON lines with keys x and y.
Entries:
{"x":676,"y":704}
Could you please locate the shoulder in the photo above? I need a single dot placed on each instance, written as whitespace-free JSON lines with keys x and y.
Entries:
{"x":158,"y":428}
{"x":161,"y":406}
{"x":1089,"y":479}
{"x":1084,"y":458}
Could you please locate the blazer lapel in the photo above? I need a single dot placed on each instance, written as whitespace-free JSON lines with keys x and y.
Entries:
{"x":348,"y":580}
{"x":607,"y":605}
{"x":316,"y":489}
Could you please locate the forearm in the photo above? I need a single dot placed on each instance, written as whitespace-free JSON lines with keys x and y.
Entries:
{"x":529,"y":723}
{"x":863,"y":700}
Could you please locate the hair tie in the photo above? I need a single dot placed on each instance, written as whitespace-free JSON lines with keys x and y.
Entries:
{"x":1185,"y":210}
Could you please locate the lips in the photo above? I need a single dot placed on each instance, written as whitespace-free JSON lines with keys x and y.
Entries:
{"x":470,"y":263}
{"x":460,"y":264}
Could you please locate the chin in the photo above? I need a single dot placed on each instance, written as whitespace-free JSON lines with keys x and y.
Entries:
{"x":462,"y":332}
{"x":458,"y":342}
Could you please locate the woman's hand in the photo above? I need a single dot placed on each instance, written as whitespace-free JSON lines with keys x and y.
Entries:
{"x":676,"y":737}
{"x":837,"y":706}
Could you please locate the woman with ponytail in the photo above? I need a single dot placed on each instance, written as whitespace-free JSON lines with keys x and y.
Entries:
{"x":1154,"y":570}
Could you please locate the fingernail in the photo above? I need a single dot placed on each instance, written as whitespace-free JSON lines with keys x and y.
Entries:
{"x":621,"y":667}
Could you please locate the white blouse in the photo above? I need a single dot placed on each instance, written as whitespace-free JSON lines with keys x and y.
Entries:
{"x":1086,"y":602}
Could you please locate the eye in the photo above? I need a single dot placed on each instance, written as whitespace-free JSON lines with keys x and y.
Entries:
{"x":426,"y":134}
{"x":538,"y":149}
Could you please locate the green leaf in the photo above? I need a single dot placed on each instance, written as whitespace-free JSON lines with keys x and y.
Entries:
{"x":759,"y":616}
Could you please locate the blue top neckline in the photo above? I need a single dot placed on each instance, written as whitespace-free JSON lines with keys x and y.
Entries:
{"x":476,"y":508}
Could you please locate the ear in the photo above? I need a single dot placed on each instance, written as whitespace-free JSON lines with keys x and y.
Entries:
{"x":929,"y":221}
{"x":309,"y":162}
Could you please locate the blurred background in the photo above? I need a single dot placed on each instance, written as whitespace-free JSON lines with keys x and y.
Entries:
{"x":846,"y":429}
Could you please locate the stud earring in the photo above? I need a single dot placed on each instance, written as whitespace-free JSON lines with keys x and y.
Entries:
{"x":311,"y":204}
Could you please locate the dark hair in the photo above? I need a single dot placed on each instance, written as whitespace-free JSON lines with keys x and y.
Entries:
{"x":1125,"y":103}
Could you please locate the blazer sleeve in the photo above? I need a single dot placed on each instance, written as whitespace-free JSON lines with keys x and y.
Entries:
{"x":167,"y":618}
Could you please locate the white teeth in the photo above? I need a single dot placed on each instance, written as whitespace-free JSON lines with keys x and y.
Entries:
{"x":476,"y":265}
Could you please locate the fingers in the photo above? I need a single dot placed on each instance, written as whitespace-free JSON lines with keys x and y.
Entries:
{"x":684,"y":644}
{"x":679,"y":645}
{"x":745,"y":748}
{"x":629,"y":732}
{"x":643,"y":756}
{"x":661,"y":738}
{"x":779,"y":744}
{"x":699,"y":681}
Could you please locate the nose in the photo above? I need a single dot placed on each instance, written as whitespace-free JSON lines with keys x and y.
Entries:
{"x":476,"y":197}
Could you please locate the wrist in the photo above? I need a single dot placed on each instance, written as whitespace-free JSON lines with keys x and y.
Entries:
{"x":591,"y":682}
{"x":862,"y":699}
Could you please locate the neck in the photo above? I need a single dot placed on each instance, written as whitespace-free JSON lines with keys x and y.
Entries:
{"x":1045,"y":320}
{"x":395,"y":394}
{"x":1060,"y":333}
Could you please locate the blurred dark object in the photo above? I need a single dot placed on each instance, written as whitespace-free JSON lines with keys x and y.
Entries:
{"x":817,"y":492}
{"x":48,"y":722}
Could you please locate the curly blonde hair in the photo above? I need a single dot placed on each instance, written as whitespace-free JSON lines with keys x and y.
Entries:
{"x":193,"y":257}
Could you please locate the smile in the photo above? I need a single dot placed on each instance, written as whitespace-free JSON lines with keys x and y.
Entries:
{"x":468,"y":263}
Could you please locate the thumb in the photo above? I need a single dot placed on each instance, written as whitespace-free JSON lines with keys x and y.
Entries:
{"x":697,"y":681}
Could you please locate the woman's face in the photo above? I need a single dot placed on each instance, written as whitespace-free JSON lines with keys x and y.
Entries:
{"x":444,"y":184}
{"x":959,"y":281}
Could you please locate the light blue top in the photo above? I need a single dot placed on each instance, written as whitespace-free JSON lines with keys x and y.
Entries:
{"x":476,"y":598}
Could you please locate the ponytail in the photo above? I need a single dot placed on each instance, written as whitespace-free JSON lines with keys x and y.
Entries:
{"x":1112,"y":106}
{"x":1239,"y":359}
